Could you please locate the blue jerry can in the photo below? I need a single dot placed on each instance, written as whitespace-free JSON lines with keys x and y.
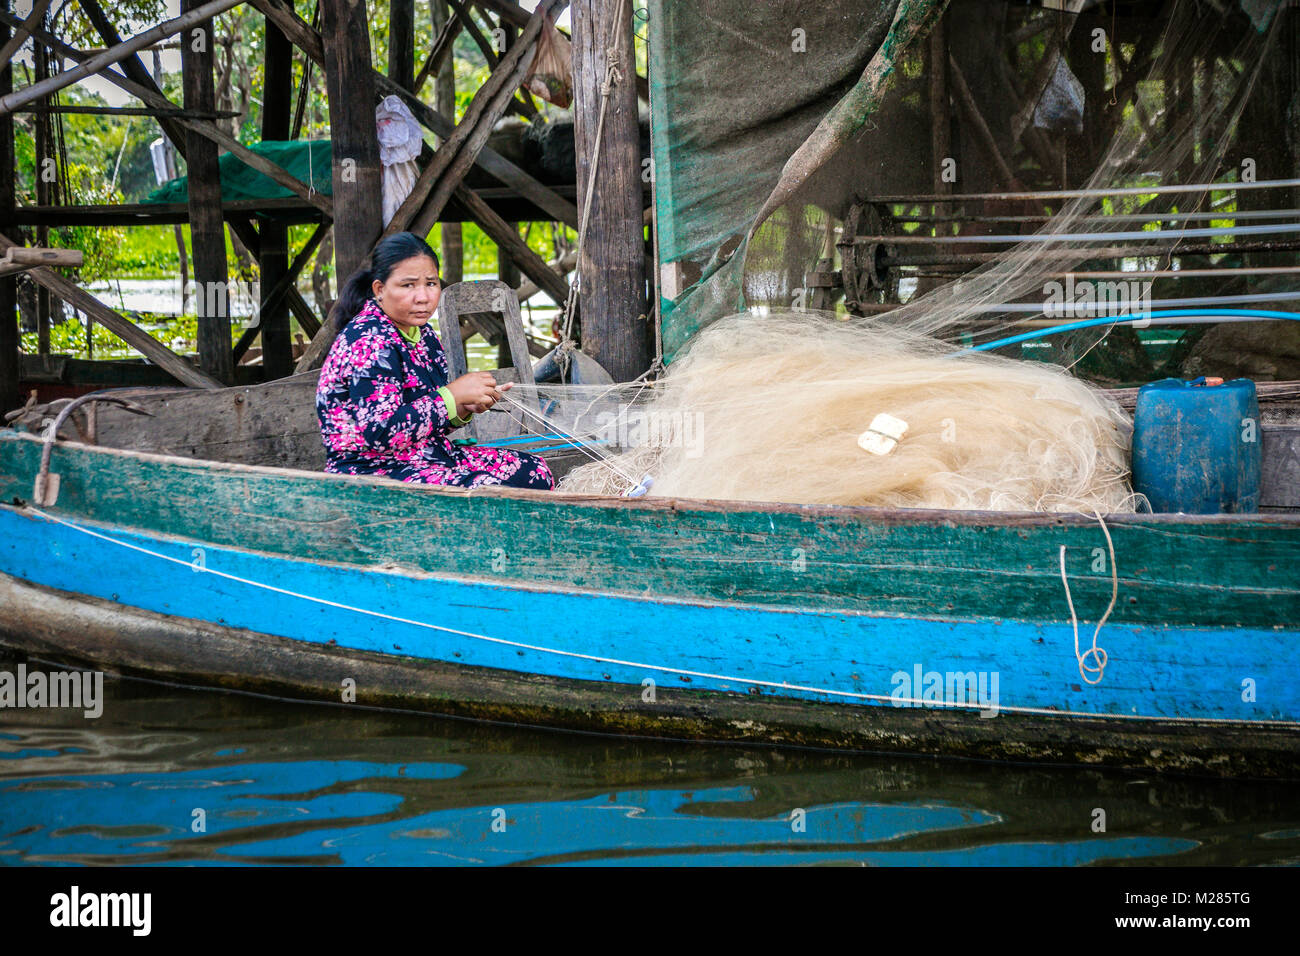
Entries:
{"x":1196,"y":446}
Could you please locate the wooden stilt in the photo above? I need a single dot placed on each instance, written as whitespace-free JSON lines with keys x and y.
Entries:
{"x":401,"y":43}
{"x":615,"y":330}
{"x":207,"y":227}
{"x":273,"y":264}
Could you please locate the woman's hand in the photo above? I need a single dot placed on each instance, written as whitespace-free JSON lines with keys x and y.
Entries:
{"x":476,"y":392}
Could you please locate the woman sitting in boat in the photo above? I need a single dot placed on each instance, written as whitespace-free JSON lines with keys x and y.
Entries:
{"x":384,"y":402}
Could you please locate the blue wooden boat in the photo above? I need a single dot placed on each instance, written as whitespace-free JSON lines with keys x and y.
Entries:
{"x":961,"y":633}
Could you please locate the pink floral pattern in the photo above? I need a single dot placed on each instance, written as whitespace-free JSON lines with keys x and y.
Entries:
{"x":381,"y":414}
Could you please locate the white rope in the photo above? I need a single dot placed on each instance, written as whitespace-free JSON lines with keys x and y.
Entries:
{"x":780,"y":685}
{"x":1098,"y":654}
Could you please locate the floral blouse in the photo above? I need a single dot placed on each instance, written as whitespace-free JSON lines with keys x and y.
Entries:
{"x":385,"y":409}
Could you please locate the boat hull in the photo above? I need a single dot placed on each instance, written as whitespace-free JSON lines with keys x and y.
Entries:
{"x":204,"y":614}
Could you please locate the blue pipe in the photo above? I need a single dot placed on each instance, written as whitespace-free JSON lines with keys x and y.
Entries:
{"x":1157,"y":317}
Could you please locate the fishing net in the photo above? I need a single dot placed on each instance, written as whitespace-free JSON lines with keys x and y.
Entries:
{"x":795,"y":407}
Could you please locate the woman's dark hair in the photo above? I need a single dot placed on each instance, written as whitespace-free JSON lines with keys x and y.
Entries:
{"x":383,"y":259}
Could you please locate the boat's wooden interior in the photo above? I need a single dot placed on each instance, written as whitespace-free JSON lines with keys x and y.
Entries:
{"x":275,"y":425}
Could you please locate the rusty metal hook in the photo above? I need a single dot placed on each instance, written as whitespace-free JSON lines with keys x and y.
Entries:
{"x":46,"y":490}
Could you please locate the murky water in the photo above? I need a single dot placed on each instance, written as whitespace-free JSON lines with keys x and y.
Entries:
{"x":169,"y":775}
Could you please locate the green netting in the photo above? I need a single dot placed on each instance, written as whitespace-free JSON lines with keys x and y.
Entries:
{"x":751,"y":106}
{"x":308,"y":160}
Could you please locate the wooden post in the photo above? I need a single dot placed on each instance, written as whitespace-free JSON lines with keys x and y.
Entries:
{"x":207,"y":227}
{"x":350,"y":87}
{"x":615,"y":330}
{"x":401,"y":43}
{"x":10,"y":396}
{"x":273,"y":263}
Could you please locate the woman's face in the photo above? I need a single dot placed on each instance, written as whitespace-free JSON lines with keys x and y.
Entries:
{"x":410,"y":295}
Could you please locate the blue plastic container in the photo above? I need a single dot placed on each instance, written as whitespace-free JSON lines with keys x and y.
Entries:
{"x":1196,"y":446}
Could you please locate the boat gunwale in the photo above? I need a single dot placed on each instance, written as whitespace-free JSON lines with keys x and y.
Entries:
{"x":867,"y":513}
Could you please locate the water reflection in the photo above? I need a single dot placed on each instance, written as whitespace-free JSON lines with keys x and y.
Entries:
{"x":173,"y":776}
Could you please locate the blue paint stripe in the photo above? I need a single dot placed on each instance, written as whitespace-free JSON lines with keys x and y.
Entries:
{"x":1162,"y":672}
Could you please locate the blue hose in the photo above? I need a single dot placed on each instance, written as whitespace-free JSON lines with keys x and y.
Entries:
{"x":1157,"y":317}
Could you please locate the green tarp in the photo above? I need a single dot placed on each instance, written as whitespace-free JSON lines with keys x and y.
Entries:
{"x":309,"y":161}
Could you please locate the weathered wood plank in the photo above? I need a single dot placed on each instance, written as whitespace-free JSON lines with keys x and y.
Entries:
{"x":357,"y":180}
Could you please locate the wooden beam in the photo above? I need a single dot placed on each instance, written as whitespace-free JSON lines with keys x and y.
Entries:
{"x":561,"y":268}
{"x":123,"y":328}
{"x":207,"y":225}
{"x":204,"y":128}
{"x":615,"y":330}
{"x":151,"y":214}
{"x":454,"y":157}
{"x":23,"y":31}
{"x":491,"y":162}
{"x":351,"y":92}
{"x":433,"y":64}
{"x":310,"y":322}
{"x":128,"y":111}
{"x":192,"y":17}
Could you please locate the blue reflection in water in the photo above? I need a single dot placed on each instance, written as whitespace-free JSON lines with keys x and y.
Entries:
{"x":169,"y":776}
{"x":345,"y":812}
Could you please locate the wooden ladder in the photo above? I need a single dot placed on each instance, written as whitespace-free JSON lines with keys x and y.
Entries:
{"x":494,"y":297}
